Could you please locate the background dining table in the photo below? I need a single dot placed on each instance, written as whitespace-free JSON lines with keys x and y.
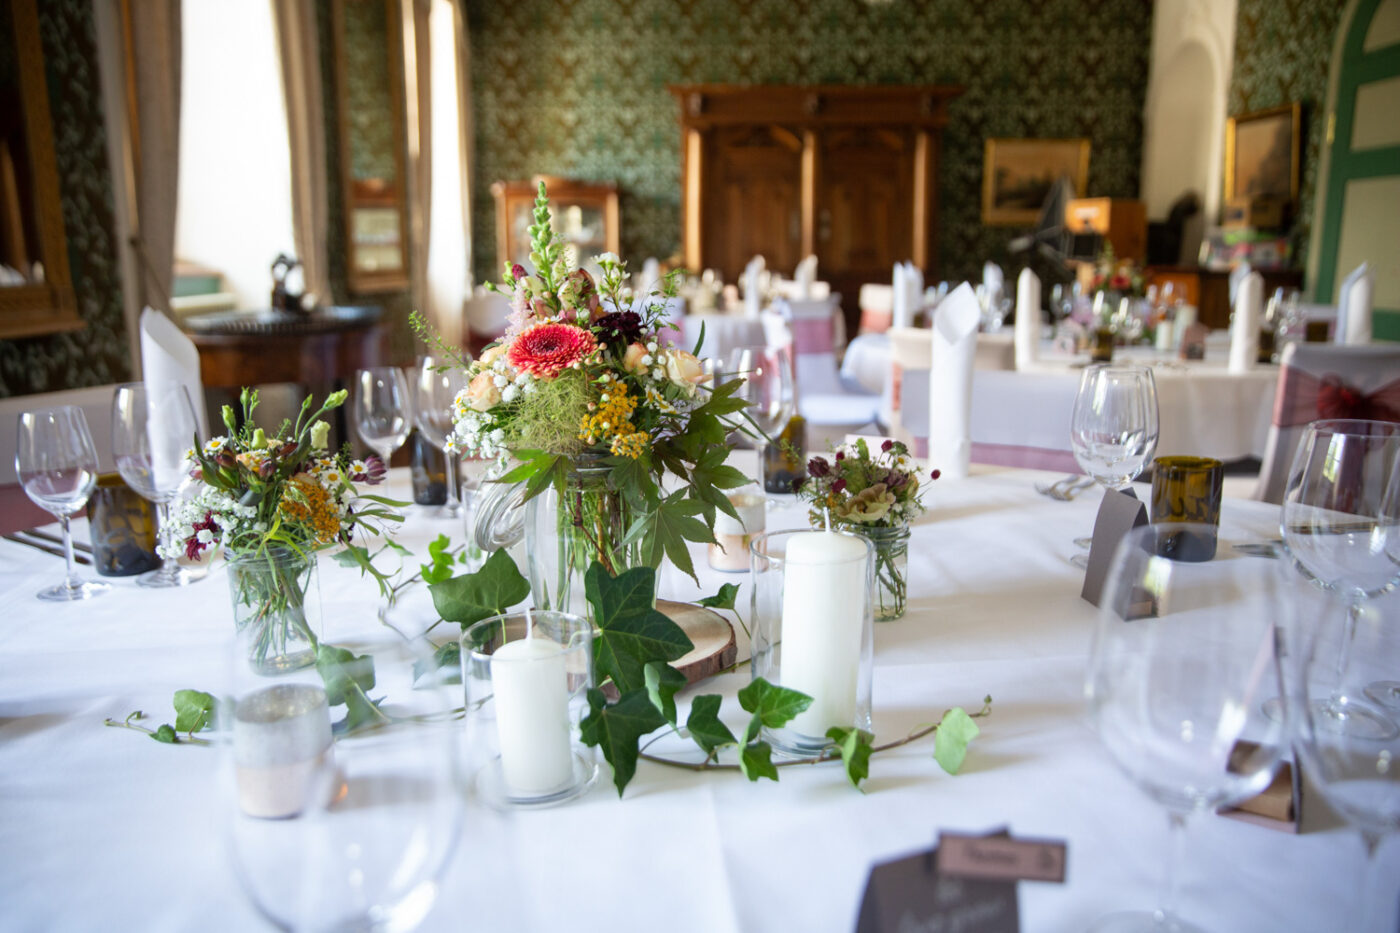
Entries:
{"x":104,"y":828}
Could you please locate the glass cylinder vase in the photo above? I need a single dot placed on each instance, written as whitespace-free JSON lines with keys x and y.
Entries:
{"x":276,"y":607}
{"x":891,"y":547}
{"x":566,"y":533}
{"x":813,"y":629}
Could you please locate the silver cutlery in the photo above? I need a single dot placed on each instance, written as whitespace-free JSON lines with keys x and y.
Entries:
{"x":47,"y":548}
{"x":1066,"y":489}
{"x":55,"y":539}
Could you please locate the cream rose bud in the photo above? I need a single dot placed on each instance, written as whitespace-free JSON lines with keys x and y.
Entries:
{"x":634,"y":360}
{"x":683,"y":368}
{"x":320,"y":433}
{"x":482,"y":392}
{"x":488,"y":356}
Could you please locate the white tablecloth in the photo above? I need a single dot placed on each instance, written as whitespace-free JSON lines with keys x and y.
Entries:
{"x":103,"y":828}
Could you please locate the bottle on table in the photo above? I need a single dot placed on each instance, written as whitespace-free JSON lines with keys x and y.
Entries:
{"x":785,"y":459}
{"x":429,"y":467}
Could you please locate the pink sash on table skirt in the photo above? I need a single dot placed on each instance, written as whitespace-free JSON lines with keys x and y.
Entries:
{"x":1303,"y":398}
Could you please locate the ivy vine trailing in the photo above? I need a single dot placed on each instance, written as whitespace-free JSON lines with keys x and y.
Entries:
{"x":633,"y":647}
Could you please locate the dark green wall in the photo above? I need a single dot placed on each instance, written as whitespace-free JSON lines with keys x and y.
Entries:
{"x":98,"y":353}
{"x":578,"y":89}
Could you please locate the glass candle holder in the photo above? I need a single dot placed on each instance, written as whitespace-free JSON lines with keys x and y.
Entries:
{"x":1188,"y":489}
{"x":730,"y":551}
{"x":123,"y":528}
{"x":526,"y":677}
{"x":814,"y":629}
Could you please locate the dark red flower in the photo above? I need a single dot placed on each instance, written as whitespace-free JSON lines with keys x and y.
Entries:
{"x":818,"y":466}
{"x":885,"y":447}
{"x":619,"y":327}
{"x":798,"y":482}
{"x":374,"y":471}
{"x":517,"y":272}
{"x":839,"y":486}
{"x":936,"y":474}
{"x":840,"y":455}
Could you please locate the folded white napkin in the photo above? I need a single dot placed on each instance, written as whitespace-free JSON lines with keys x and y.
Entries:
{"x":1185,"y":317}
{"x":1354,"y":306}
{"x":806,"y":276}
{"x":168,"y":355}
{"x":1027,"y":318}
{"x":950,"y":382}
{"x":902,"y":316}
{"x":1237,"y":275}
{"x":753,"y":300}
{"x":914,"y":285}
{"x":1244,"y":326}
{"x":993,"y":278}
{"x":649,"y":279}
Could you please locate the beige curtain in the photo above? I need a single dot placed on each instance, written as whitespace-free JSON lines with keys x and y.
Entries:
{"x":418,"y":120}
{"x":153,"y":78}
{"x":449,"y":246}
{"x":295,"y":24}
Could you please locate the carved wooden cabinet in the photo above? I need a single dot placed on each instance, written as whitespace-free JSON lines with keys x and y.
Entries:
{"x":847,"y":173}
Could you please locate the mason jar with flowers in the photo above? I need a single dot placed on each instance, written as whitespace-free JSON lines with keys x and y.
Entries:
{"x":876,"y":495}
{"x":586,"y":402}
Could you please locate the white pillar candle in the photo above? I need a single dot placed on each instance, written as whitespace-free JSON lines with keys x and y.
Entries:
{"x":281,"y":744}
{"x":532,"y":716}
{"x":823,"y":617}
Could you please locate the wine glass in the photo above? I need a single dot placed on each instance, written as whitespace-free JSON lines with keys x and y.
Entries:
{"x":153,"y":429}
{"x":435,"y":389}
{"x":1340,"y":524}
{"x":1113,"y":430}
{"x":1183,"y":653}
{"x":383,"y":416}
{"x":346,"y":826}
{"x":1357,"y":775}
{"x":57,"y":466}
{"x":767,"y":387}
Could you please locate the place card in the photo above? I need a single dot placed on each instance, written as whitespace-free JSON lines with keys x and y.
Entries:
{"x":1119,"y":513}
{"x":1001,"y":858}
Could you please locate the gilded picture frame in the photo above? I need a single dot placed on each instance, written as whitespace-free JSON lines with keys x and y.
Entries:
{"x":1017,"y":175}
{"x":1262,"y":153}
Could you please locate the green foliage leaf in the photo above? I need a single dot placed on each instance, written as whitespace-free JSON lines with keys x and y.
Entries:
{"x":166,"y":734}
{"x":194,"y":710}
{"x":950,"y":742}
{"x":446,"y":664}
{"x":439,"y":566}
{"x":631,"y":632}
{"x":618,"y":729}
{"x":490,"y":591}
{"x":855,"y":746}
{"x":724,"y":599}
{"x":771,"y":705}
{"x":705,"y":726}
{"x":756,"y":761}
{"x":348,"y":679}
{"x":662,"y":682}
{"x":673,"y":524}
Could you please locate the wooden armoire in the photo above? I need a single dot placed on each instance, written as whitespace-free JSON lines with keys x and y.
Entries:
{"x":847,"y":173}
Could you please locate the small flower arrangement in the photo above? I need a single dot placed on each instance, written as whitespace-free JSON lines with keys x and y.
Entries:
{"x":1111,"y":275}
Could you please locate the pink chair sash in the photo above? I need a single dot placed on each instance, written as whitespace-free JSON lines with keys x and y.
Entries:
{"x":1303,"y":397}
{"x":812,"y":335}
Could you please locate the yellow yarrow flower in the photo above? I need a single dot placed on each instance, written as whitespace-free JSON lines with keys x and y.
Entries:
{"x":612,"y":417}
{"x":630,"y":445}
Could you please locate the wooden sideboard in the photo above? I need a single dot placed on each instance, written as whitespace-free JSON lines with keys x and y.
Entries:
{"x":785,"y":171}
{"x":1209,"y":289}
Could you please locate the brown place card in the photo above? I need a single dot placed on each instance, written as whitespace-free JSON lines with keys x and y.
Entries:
{"x":907,"y":894}
{"x":1119,"y":513}
{"x":1001,"y":858}
{"x":1278,"y":806}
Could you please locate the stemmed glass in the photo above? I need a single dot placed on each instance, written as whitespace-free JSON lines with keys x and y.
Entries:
{"x":383,"y":413}
{"x":767,"y":387}
{"x":435,"y":389}
{"x":1183,"y":653}
{"x":57,"y":466}
{"x":1340,"y":524}
{"x":1113,"y":430}
{"x":152,"y":431}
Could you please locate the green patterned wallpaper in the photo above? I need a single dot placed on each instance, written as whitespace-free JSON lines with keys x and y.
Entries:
{"x":578,"y":88}
{"x":97,"y":354}
{"x":1283,"y":52}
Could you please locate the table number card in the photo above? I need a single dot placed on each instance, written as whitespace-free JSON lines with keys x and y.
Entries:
{"x":1119,"y":513}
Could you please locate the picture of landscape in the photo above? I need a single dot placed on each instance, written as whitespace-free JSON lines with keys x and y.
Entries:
{"x":1018,"y":173}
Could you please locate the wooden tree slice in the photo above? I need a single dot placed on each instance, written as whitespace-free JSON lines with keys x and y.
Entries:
{"x":711,"y":633}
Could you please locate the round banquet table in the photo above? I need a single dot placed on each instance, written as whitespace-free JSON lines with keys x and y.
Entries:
{"x":104,"y":828}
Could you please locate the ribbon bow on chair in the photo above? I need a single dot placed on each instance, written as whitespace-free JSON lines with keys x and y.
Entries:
{"x":1305,"y":397}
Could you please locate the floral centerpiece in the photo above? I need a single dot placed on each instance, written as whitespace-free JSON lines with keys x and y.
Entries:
{"x":271,"y":501}
{"x":874,"y":494}
{"x":586,"y":393}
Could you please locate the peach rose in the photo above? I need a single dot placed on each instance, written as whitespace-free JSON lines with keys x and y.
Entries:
{"x":488,"y":356}
{"x":632,"y":359}
{"x":482,"y":393}
{"x":683,"y":369}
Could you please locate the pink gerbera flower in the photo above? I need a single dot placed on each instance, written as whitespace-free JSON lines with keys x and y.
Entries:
{"x":545,"y":349}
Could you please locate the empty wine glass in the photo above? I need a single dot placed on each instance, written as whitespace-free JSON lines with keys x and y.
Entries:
{"x":383,"y":412}
{"x":1183,"y":653}
{"x":435,"y":389}
{"x":339,"y":814}
{"x":57,"y":466}
{"x":153,"y":430}
{"x":1340,"y":524}
{"x":1113,"y":430}
{"x":767,"y":387}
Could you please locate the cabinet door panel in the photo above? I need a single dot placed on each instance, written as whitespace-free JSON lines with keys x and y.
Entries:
{"x":753,"y":199}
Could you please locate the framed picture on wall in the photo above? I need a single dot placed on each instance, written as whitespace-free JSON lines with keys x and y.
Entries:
{"x":585,"y":215}
{"x":1261,"y":153}
{"x":1017,"y":175}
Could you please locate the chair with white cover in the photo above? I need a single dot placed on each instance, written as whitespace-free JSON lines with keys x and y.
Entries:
{"x":817,"y":331}
{"x":876,"y":308}
{"x":911,"y":355}
{"x":1354,"y":307}
{"x":486,"y":314}
{"x":1319,"y":380}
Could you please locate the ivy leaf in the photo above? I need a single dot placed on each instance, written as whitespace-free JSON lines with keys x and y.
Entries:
{"x":166,"y":734}
{"x":618,"y":729}
{"x":756,"y":761}
{"x":855,"y":746}
{"x":631,"y":632}
{"x":724,"y":599}
{"x":771,"y":705}
{"x":348,"y":679}
{"x":662,"y":681}
{"x":955,"y":731}
{"x":446,"y":664}
{"x":705,"y":726}
{"x":490,"y":591}
{"x":194,"y":709}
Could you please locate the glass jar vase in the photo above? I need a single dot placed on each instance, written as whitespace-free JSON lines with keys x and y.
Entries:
{"x":276,"y":607}
{"x":891,"y":547}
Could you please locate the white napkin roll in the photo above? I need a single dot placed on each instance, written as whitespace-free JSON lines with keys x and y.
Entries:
{"x":168,"y":355}
{"x":1027,"y":334}
{"x":950,"y":382}
{"x":649,"y":279}
{"x":1185,"y":317}
{"x":914,"y":285}
{"x":1244,"y":327}
{"x":806,"y":276}
{"x":753,"y":301}
{"x":900,"y":315}
{"x":992,"y":277}
{"x":1354,"y":307}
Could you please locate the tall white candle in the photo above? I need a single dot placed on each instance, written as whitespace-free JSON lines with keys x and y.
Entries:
{"x":823,"y":615}
{"x":532,"y":716}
